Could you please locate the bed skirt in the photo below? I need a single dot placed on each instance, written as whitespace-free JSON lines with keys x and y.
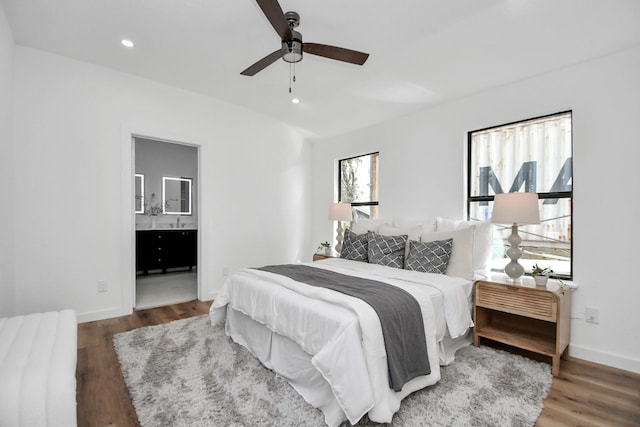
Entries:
{"x":289,"y":361}
{"x":448,"y":346}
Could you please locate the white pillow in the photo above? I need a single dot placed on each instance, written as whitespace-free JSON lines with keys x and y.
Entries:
{"x":428,"y":224}
{"x":361,"y":226}
{"x":482,"y":244}
{"x":413,"y":232}
{"x":461,"y":260}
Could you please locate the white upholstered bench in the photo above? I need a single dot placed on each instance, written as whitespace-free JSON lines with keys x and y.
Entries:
{"x":38,"y":354}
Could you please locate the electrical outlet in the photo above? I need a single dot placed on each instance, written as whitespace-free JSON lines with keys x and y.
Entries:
{"x":592,"y":315}
{"x":103,"y":286}
{"x":225,"y":271}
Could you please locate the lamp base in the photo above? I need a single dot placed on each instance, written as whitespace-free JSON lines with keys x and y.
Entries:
{"x":339,"y":237}
{"x":513,"y":269}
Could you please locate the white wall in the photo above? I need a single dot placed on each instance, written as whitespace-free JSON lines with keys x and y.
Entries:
{"x":7,"y":283}
{"x":73,"y":157}
{"x":422,"y":174}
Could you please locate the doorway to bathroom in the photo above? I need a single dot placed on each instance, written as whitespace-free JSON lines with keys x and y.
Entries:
{"x":166,"y":222}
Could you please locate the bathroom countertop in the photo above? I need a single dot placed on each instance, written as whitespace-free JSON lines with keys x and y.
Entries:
{"x":163,"y":227}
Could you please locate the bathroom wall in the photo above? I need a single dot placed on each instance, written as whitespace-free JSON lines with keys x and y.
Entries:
{"x":156,"y":159}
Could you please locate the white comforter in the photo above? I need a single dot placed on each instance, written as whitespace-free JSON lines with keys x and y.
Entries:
{"x":343,"y":334}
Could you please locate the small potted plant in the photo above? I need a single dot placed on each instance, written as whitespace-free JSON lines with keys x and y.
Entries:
{"x":541,"y":275}
{"x":326,"y":248}
{"x":152,"y":209}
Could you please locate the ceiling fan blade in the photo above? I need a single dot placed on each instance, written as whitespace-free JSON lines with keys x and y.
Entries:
{"x":263,"y":63}
{"x":275,"y":15}
{"x":337,"y":53}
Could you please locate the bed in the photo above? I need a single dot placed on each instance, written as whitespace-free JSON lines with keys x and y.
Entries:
{"x":38,"y":355}
{"x":330,"y":346}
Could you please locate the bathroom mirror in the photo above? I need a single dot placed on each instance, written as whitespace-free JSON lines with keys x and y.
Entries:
{"x":139,"y":192}
{"x":176,"y":196}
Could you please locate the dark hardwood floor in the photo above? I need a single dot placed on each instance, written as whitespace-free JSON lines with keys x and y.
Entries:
{"x":585,"y":394}
{"x":103,"y":399}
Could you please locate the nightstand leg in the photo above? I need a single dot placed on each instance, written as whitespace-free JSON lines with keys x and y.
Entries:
{"x":555,"y":365}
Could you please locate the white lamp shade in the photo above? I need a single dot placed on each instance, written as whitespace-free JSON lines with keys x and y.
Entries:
{"x":340,"y":212}
{"x":515,"y":208}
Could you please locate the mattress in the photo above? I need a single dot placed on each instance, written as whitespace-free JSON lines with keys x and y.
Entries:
{"x":38,"y":355}
{"x":336,"y":339}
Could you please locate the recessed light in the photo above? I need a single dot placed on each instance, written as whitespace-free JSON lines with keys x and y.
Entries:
{"x":295,"y":101}
{"x":127,"y":43}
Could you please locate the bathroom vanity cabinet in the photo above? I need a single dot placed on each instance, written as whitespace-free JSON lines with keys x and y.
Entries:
{"x":165,"y":249}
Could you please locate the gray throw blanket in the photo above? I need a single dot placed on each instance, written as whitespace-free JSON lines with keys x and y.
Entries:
{"x":399,"y":313}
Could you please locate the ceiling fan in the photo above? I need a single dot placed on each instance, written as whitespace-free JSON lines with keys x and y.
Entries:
{"x":292,"y":45}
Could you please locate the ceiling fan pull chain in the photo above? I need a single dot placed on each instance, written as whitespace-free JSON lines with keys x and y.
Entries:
{"x":292,"y":74}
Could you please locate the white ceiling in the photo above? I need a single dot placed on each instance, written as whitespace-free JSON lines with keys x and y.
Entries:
{"x":422,"y":52}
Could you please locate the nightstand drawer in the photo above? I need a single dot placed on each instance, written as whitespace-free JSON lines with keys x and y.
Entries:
{"x":517,"y":300}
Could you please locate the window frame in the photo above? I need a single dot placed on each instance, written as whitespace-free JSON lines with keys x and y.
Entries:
{"x":541,"y":195}
{"x":339,"y":171}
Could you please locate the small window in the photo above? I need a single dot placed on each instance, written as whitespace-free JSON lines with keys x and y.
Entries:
{"x":534,"y":155}
{"x":358,"y":184}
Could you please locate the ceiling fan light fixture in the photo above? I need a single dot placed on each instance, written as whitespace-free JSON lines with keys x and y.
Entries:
{"x":292,"y":54}
{"x":292,"y":49}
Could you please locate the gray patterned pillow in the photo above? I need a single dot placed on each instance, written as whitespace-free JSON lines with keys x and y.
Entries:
{"x":429,"y":257}
{"x":354,"y":246}
{"x":387,"y":250}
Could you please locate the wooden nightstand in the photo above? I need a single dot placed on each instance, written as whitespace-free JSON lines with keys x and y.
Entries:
{"x":532,"y":319}
{"x":318,"y":257}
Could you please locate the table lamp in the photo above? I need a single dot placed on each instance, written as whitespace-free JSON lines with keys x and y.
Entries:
{"x":340,"y":212}
{"x":515,"y":209}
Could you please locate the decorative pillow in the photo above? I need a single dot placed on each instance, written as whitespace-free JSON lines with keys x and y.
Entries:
{"x":354,"y":246}
{"x":482,"y":241}
{"x":413,"y":232}
{"x":461,"y":259}
{"x":429,"y":257}
{"x":387,"y":250}
{"x":361,"y":226}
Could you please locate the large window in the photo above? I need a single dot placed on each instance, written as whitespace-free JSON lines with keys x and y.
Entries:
{"x":358,"y":184}
{"x":530,"y":156}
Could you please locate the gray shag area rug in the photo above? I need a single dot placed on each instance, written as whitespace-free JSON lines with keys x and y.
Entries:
{"x":189,"y":373}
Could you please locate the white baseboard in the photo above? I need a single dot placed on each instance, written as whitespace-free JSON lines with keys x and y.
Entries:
{"x":102,"y":314}
{"x":116,"y":312}
{"x":603,"y":358}
{"x":579,"y":352}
